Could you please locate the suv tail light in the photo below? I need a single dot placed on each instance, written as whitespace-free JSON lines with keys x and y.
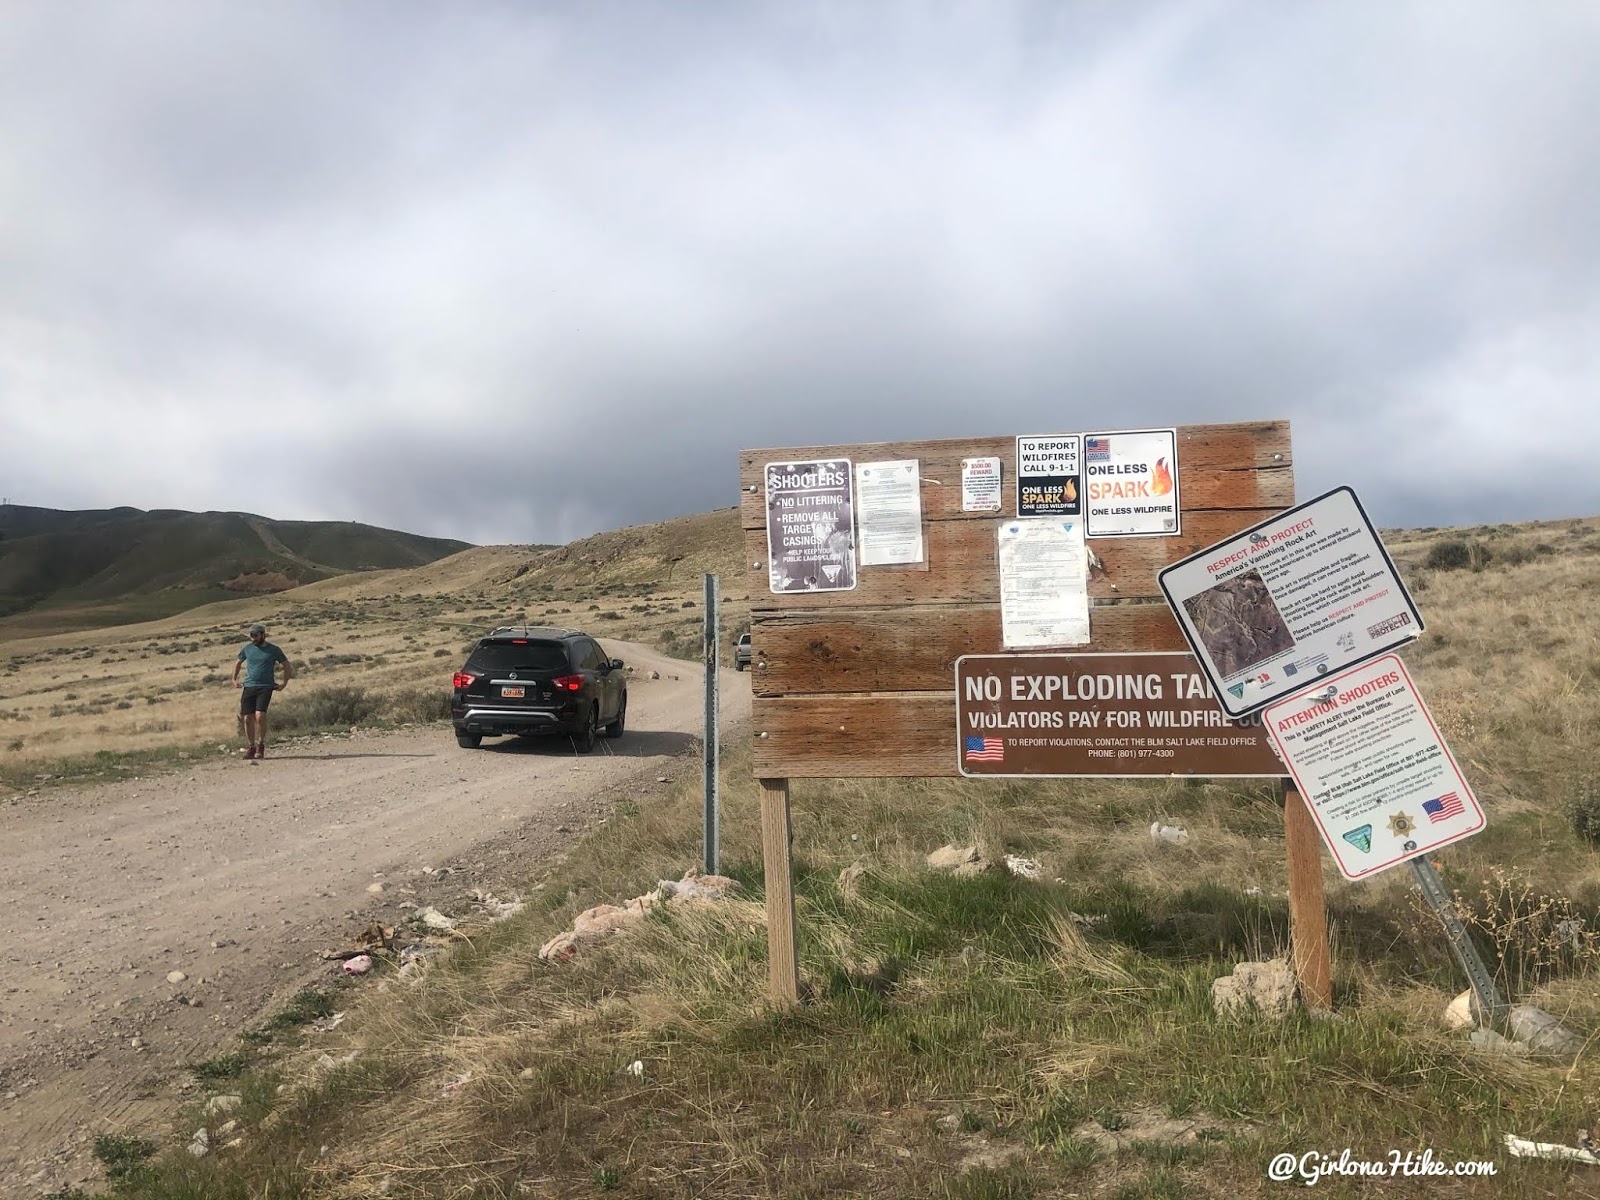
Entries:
{"x":463,"y":680}
{"x":568,"y":683}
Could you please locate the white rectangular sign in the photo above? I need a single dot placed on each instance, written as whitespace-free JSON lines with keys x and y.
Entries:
{"x":889,"y":512}
{"x":1373,"y":768}
{"x":980,"y":484}
{"x":1309,"y":592}
{"x":1131,"y":484}
{"x":1048,"y":476}
{"x":1044,"y":583}
{"x":811,"y":545}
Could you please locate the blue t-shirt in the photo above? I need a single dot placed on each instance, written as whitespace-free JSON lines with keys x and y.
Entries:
{"x":258,"y":662}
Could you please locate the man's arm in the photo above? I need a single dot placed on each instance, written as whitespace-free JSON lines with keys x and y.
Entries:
{"x":237,"y":663}
{"x":288,"y":672}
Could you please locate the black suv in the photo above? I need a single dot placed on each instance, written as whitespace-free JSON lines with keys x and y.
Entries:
{"x":534,"y":680}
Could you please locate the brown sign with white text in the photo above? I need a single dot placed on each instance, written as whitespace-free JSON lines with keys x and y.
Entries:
{"x":1099,"y":714}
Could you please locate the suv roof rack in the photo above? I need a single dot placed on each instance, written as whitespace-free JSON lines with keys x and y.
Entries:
{"x":541,"y":631}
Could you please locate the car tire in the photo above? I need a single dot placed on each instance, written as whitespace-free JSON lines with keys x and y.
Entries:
{"x":583,"y":740}
{"x":614,"y":730}
{"x":469,"y":741}
{"x":738,"y":664}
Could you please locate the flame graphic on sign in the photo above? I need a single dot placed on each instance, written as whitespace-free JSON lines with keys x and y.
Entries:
{"x":1160,"y":479}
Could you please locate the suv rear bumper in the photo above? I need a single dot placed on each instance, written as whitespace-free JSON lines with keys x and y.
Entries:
{"x":492,"y":720}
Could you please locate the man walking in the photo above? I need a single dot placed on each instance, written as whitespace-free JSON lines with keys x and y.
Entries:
{"x":259,"y":658}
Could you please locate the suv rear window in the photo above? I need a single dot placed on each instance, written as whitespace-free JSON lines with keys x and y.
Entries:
{"x":494,"y":657}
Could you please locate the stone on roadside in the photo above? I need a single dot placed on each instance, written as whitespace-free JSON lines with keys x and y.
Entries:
{"x":375,"y":888}
{"x":1264,"y":987}
{"x":434,"y":919}
{"x":1459,"y":1013}
{"x":1488,"y":1039}
{"x":222,"y":1104}
{"x":201,"y":1145}
{"x":1542,"y":1034}
{"x":176,"y":977}
{"x":957,"y":860}
{"x":1023,"y":868}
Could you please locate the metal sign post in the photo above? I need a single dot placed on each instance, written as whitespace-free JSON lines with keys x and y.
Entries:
{"x":711,"y":648}
{"x":1491,"y":1006}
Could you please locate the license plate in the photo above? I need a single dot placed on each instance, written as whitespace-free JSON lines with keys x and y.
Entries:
{"x":512,"y":693}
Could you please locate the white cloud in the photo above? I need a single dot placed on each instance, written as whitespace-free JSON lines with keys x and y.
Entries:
{"x":516,"y":272}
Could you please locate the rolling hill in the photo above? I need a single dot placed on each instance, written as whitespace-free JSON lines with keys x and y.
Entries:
{"x":92,"y":568}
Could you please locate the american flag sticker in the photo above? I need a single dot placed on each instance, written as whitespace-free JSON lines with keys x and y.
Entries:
{"x":1446,"y":806}
{"x":984,"y":749}
{"x":1097,"y":449}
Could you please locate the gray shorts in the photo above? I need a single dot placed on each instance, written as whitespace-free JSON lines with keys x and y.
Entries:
{"x":254,"y":699}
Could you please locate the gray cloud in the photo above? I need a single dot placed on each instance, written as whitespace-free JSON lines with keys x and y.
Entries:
{"x":514,"y":272}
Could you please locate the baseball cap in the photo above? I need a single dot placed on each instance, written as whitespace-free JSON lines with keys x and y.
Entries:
{"x":255,"y":629}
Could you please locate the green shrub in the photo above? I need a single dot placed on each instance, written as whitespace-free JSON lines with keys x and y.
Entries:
{"x":1585,"y":811}
{"x":325,"y":708}
{"x":1453,"y":555}
{"x":419,"y":705}
{"x":121,"y":1156}
{"x":1456,"y":554}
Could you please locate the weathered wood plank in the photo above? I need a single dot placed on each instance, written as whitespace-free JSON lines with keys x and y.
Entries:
{"x":851,"y":737}
{"x":783,"y":966}
{"x":915,"y":649}
{"x":963,"y":565}
{"x":1244,"y":466}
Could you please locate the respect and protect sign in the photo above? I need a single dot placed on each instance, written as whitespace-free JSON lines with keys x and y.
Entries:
{"x":1373,"y":768}
{"x":1308,"y":593}
{"x":1099,"y":715}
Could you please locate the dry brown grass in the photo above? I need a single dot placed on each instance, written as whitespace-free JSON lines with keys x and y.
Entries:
{"x":167,"y":684}
{"x":930,"y":996}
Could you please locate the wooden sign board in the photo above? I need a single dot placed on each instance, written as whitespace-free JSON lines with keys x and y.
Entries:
{"x":861,"y":683}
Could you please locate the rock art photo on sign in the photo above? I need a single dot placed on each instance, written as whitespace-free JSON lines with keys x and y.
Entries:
{"x":1239,"y":623}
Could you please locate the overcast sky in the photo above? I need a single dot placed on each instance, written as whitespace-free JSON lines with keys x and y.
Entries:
{"x":517,"y":272}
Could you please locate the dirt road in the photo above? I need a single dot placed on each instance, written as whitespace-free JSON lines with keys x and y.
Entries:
{"x":237,"y":874}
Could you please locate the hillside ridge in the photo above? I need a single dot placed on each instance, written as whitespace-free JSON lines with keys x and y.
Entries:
{"x":64,"y":569}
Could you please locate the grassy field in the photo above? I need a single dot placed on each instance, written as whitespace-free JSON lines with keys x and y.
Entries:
{"x":961,"y":1037}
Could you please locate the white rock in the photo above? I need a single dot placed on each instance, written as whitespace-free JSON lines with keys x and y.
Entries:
{"x":1175,"y":834}
{"x":434,"y":919}
{"x":1023,"y":868}
{"x":1265,"y":987}
{"x":226,"y":1128}
{"x":201,"y":1145}
{"x":222,"y":1104}
{"x":176,"y":977}
{"x":954,"y":858}
{"x":375,"y":888}
{"x":1458,"y":1013}
{"x":1542,"y":1034}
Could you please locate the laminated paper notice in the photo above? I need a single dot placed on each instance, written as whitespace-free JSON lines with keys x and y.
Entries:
{"x":980,"y":484}
{"x":810,"y":526}
{"x":1044,"y":583}
{"x":889,"y":512}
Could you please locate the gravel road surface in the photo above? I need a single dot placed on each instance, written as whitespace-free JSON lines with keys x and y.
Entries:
{"x":237,"y":874}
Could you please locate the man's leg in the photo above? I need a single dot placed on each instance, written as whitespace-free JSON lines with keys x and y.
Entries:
{"x":261,"y":731}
